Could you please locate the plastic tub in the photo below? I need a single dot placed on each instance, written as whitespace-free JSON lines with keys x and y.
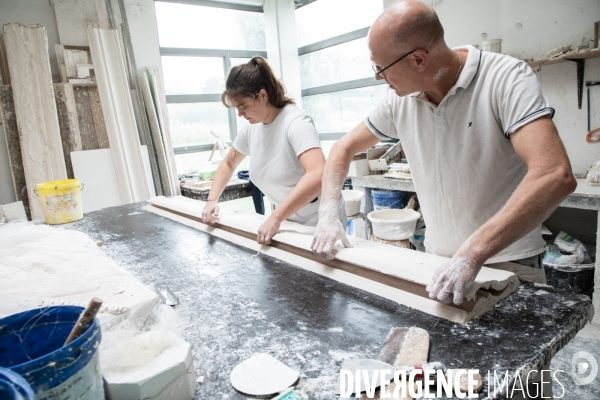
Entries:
{"x":385,"y":199}
{"x":352,"y":199}
{"x":394,"y":224}
{"x":31,"y":345}
{"x":61,"y":201}
{"x":13,"y":386}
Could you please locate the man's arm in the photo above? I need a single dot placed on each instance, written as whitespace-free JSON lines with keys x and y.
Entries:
{"x":548,"y":181}
{"x":329,"y":229}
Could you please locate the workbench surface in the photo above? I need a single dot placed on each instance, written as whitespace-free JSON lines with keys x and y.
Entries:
{"x":235,"y":302}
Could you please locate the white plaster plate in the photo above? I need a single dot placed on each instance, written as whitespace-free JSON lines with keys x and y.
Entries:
{"x":262,"y":375}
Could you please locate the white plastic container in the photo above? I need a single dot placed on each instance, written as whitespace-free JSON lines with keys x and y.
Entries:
{"x":494,"y":45}
{"x":394,"y":224}
{"x":352,"y":198}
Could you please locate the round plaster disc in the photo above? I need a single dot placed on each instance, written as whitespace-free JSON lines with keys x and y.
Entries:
{"x":262,"y":375}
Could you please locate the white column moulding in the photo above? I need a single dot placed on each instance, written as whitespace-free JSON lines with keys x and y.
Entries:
{"x":35,"y":108}
{"x":117,"y":109}
{"x":282,"y":44}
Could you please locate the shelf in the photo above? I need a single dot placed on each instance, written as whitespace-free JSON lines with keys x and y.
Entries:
{"x":579,"y":59}
{"x":564,"y":58}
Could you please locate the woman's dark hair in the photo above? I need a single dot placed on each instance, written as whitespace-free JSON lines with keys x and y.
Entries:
{"x":248,"y":79}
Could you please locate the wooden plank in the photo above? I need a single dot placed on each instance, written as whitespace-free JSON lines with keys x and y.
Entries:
{"x":67,"y":120}
{"x":98,"y":117}
{"x":406,"y":270}
{"x":87,"y":127}
{"x":119,"y":118}
{"x":4,"y":72}
{"x":13,"y":144}
{"x":35,"y":108}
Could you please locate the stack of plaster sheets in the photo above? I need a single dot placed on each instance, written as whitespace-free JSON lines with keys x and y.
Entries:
{"x":43,"y":266}
{"x":388,"y":271}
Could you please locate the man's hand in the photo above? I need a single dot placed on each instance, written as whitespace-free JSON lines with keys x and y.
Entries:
{"x":210,"y":212}
{"x":453,"y":278}
{"x":267,"y":230}
{"x":329,"y":229}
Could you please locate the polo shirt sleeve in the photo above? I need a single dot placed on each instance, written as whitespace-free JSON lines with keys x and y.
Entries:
{"x":302,"y":135}
{"x":381,"y":119}
{"x":520,"y":99}
{"x":241,"y":140}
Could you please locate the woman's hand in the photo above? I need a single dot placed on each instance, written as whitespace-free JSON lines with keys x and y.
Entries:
{"x":210,"y":212}
{"x":267,"y":230}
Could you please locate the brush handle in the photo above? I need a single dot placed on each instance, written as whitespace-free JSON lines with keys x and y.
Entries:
{"x":85,"y":320}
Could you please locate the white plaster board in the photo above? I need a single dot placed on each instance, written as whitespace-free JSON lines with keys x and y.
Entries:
{"x":119,"y":118}
{"x":411,"y":267}
{"x":13,"y":211}
{"x":35,"y":108}
{"x":72,"y":58}
{"x":282,"y":44}
{"x":71,"y":23}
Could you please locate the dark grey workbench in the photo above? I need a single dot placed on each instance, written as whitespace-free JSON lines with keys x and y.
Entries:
{"x":235,"y":302}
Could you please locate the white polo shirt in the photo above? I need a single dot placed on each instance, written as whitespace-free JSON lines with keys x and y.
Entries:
{"x":463,"y":164}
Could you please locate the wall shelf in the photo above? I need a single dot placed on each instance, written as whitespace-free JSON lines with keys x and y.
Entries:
{"x":578,"y":58}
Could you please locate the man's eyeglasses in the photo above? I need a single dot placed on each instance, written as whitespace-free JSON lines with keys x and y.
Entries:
{"x":380,"y":71}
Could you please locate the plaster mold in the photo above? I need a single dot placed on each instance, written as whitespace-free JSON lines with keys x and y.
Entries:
{"x":391,"y":272}
{"x":118,"y":114}
{"x":35,"y":108}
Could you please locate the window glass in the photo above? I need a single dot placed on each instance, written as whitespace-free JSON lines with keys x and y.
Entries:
{"x":324,"y":19}
{"x":190,"y":26}
{"x":191,"y":123}
{"x":193,"y":75}
{"x":344,"y":62}
{"x":342,"y":111}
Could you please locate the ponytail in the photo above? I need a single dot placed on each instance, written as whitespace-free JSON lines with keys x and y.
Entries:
{"x":248,"y":79}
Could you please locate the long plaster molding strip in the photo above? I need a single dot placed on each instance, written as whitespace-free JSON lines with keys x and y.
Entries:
{"x":119,"y":118}
{"x":404,"y":273}
{"x":160,"y":103}
{"x":35,"y":108}
{"x":156,"y":136}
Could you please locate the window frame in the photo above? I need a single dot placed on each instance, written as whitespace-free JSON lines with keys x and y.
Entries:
{"x":225,"y":54}
{"x":340,"y":86}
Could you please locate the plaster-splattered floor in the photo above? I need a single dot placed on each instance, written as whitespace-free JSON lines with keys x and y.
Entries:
{"x":588,"y":340}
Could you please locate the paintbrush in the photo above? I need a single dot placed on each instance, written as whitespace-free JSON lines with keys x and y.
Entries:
{"x":85,"y":320}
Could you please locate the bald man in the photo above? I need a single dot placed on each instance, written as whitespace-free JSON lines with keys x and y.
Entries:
{"x":486,"y":159}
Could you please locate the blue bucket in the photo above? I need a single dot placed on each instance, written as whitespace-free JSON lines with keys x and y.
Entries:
{"x":31,"y":344}
{"x":13,"y":386}
{"x":384,"y":199}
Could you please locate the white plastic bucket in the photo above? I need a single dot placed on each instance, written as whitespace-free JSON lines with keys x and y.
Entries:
{"x":352,"y":199}
{"x":394,"y":224}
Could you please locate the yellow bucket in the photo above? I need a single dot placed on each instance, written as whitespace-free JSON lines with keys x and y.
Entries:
{"x":61,"y":200}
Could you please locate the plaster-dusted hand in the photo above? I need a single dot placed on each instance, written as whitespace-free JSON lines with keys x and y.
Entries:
{"x":329,"y":229}
{"x":267,"y":230}
{"x":210,"y":212}
{"x":453,"y":278}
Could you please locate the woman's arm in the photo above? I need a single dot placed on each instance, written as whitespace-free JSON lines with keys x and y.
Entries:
{"x":222,"y":177}
{"x":313,"y":162}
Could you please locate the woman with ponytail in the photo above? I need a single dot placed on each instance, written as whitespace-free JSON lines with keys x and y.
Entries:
{"x":286,"y":158}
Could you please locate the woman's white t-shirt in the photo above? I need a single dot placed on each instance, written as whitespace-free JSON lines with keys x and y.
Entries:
{"x":274,"y":150}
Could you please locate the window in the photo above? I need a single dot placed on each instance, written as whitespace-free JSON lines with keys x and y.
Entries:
{"x":338,"y":86}
{"x":198,"y":46}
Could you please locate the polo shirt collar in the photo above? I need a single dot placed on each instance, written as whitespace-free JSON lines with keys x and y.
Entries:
{"x":466,"y":76}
